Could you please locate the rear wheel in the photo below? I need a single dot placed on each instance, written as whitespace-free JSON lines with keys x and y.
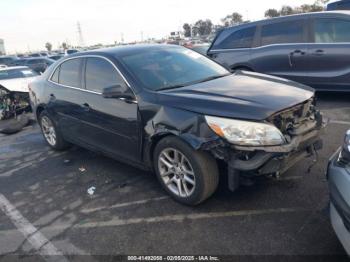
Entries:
{"x":189,"y":176}
{"x":51,"y":133}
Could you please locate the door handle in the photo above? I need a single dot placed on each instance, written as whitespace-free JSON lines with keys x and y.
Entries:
{"x":52,"y":97}
{"x":299,"y":52}
{"x":85,"y":107}
{"x":318,"y":52}
{"x":295,"y":52}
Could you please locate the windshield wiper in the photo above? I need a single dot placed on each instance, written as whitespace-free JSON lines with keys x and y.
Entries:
{"x":170,"y":87}
{"x":212,"y":78}
{"x":193,"y":83}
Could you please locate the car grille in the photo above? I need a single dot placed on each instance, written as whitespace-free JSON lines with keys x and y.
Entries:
{"x":297,"y":120}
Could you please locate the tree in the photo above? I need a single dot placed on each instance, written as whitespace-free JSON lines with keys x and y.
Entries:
{"x":64,"y":46}
{"x":233,"y":19}
{"x":271,"y":13}
{"x":286,"y":10}
{"x":204,"y":27}
{"x":187,"y":29}
{"x":48,"y":46}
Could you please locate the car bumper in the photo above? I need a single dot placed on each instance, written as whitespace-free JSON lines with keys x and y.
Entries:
{"x":278,"y":159}
{"x":339,"y":188}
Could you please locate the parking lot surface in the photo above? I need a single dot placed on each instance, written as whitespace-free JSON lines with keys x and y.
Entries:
{"x":46,"y":209}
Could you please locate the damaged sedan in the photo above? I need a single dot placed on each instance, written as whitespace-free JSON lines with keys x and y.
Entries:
{"x":14,"y":96}
{"x":174,"y":111}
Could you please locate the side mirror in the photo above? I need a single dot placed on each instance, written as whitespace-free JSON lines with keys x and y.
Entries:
{"x":117,"y":91}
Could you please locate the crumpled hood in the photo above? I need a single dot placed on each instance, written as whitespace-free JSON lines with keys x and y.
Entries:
{"x":243,"y":95}
{"x":18,"y":84}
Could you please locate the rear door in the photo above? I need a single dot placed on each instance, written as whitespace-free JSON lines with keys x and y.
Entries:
{"x":282,"y":49}
{"x":329,"y":54}
{"x":66,"y":98}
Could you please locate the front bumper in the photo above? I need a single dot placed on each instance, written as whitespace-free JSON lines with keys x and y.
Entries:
{"x":339,"y":188}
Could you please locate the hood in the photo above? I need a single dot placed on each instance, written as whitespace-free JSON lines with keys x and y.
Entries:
{"x":17,"y":84}
{"x":242,"y":95}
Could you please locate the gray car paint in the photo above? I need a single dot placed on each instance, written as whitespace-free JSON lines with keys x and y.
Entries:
{"x":320,"y":65}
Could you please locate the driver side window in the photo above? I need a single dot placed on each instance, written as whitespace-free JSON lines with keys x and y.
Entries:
{"x":99,"y":74}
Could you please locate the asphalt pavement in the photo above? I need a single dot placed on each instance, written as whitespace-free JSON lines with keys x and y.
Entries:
{"x":45,"y":207}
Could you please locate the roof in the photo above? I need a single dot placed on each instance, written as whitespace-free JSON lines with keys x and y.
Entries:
{"x":288,"y":17}
{"x":124,"y":50}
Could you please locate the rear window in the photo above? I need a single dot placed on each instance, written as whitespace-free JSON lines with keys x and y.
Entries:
{"x":70,"y":73}
{"x":332,"y":30}
{"x":284,"y":32}
{"x":242,"y":38}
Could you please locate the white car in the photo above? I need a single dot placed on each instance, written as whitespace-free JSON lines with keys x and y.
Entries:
{"x":14,"y":93}
{"x":16,"y":78}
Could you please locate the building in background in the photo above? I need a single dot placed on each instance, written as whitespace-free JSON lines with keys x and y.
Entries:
{"x":2,"y":47}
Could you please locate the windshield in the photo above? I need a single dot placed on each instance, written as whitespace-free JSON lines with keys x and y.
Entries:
{"x":16,"y":73}
{"x":171,"y":67}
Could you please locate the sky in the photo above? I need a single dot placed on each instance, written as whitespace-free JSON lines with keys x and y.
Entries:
{"x":26,"y":25}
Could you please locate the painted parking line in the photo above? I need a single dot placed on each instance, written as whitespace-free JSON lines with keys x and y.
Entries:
{"x":39,"y":242}
{"x":339,"y":122}
{"x":126,"y":204}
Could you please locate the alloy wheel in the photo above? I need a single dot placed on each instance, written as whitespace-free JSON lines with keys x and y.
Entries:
{"x":176,"y":172}
{"x":48,"y":130}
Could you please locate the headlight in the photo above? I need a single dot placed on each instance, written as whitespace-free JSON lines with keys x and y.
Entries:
{"x":245,"y":133}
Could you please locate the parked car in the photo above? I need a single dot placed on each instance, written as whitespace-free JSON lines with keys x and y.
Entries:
{"x":7,"y":60}
{"x":71,"y":51}
{"x":14,"y":97}
{"x":169,"y":109}
{"x":200,"y":48}
{"x":38,"y":64}
{"x":339,"y":184}
{"x":19,"y":62}
{"x":35,"y":55}
{"x":56,"y":57}
{"x":339,"y":5}
{"x":313,"y":48}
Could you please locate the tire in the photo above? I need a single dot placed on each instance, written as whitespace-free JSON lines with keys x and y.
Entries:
{"x":45,"y":122}
{"x":195,"y":186}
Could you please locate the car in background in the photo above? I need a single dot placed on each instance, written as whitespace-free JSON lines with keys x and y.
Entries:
{"x":38,"y":64}
{"x":14,"y":96}
{"x":200,"y":48}
{"x":19,"y":62}
{"x":170,"y":109}
{"x":71,"y":51}
{"x":35,"y":55}
{"x":339,"y":5}
{"x":7,"y":60}
{"x":312,"y":48}
{"x":55,"y":57}
{"x":338,"y":175}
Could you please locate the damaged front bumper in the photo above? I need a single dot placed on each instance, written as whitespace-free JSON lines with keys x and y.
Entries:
{"x":246,"y":162}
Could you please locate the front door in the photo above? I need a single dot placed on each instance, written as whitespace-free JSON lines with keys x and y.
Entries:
{"x":110,"y":125}
{"x":282,"y":49}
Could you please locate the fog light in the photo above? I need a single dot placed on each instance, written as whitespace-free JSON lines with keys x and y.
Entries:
{"x":344,"y":156}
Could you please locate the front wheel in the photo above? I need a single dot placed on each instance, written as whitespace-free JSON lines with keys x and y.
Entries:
{"x":188,"y":175}
{"x":51,"y":133}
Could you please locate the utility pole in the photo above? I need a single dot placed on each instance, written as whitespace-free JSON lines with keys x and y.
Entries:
{"x":80,"y":36}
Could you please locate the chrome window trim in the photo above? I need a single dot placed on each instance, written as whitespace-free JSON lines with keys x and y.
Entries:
{"x":82,"y":89}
